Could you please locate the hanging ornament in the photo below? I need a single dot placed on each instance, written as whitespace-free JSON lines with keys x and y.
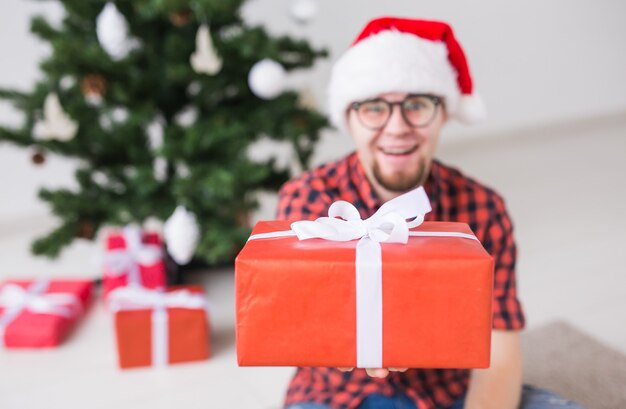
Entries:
{"x":182,"y":170}
{"x":205,"y":59}
{"x":94,"y":87}
{"x":307,"y":100}
{"x":112,"y":31}
{"x":38,"y":157}
{"x":180,"y":18}
{"x":155,"y":131}
{"x":67,"y":82}
{"x":86,"y":230}
{"x":181,"y":233}
{"x":187,"y":116}
{"x":159,"y":168}
{"x":56,"y":124}
{"x":303,"y":11}
{"x":119,"y":114}
{"x":267,"y":79}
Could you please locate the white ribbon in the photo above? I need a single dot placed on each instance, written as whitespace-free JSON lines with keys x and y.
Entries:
{"x":15,"y":299}
{"x":127,"y":260}
{"x":390,"y":224}
{"x":139,"y":298}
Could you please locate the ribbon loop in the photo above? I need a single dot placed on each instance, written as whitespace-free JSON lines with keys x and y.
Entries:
{"x":13,"y":296}
{"x":388,"y":225}
{"x":345,"y":210}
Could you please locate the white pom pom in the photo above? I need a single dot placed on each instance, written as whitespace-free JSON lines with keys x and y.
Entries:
{"x":112,"y":32}
{"x":267,"y":79}
{"x":181,"y":233}
{"x":471,"y":109}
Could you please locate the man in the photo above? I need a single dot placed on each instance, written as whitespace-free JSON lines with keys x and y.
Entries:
{"x":393,"y":91}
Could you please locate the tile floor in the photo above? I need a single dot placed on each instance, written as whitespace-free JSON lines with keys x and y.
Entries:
{"x":565,"y":188}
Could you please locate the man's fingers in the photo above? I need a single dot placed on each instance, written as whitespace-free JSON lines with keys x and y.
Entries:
{"x":377,"y":372}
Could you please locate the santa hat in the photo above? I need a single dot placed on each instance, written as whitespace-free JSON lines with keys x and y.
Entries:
{"x":404,"y":55}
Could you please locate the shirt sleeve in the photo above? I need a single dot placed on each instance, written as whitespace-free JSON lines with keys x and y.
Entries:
{"x":499,"y":242}
{"x":302,"y":199}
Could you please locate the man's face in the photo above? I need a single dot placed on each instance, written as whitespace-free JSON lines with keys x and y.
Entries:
{"x":397,"y":157}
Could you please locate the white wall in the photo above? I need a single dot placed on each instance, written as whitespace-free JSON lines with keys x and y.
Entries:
{"x":534,"y":62}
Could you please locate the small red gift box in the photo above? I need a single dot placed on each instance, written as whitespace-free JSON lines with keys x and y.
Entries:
{"x":367,"y":293}
{"x":133,"y":257}
{"x":155,"y":328}
{"x":39,"y":314}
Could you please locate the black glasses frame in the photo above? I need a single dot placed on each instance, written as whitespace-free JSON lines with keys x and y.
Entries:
{"x":437,"y":101}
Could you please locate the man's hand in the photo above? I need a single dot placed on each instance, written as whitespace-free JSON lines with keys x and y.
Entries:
{"x":377,"y":372}
{"x":500,"y":385}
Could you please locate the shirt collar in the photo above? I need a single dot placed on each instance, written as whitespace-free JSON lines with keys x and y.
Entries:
{"x":362,"y":184}
{"x":371,"y":199}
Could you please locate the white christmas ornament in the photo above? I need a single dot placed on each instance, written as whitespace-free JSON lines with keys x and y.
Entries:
{"x":267,"y":79}
{"x":67,"y":82}
{"x":155,"y":133}
{"x":181,"y":233}
{"x":94,"y":99}
{"x":182,"y":170}
{"x":205,"y":59}
{"x":159,"y":167}
{"x":187,"y":116}
{"x":112,"y":31}
{"x":56,"y":124}
{"x":303,"y":10}
{"x":119,"y":114}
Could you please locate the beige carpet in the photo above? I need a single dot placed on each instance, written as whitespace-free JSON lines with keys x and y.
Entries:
{"x":561,"y":358}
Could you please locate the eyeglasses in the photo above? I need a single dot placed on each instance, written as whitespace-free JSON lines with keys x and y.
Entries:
{"x":417,"y":110}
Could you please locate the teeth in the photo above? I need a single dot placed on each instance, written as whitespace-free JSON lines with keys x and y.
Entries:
{"x":397,"y":151}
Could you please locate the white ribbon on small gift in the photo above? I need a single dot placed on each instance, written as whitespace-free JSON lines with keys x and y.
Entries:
{"x":127,"y":260}
{"x":139,"y":298}
{"x":15,"y":299}
{"x":390,"y":224}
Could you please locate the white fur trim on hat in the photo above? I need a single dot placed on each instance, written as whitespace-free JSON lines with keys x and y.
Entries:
{"x":391,"y":61}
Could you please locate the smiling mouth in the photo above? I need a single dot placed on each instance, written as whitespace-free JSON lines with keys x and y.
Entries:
{"x":398,"y":151}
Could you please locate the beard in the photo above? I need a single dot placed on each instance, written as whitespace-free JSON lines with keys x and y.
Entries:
{"x":400,"y":182}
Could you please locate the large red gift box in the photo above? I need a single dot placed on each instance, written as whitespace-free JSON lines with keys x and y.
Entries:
{"x":296,"y":300}
{"x":145,"y":257}
{"x":185,"y":333}
{"x":39,"y":314}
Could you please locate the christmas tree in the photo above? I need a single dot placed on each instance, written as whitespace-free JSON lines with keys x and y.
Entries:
{"x":160,"y":101}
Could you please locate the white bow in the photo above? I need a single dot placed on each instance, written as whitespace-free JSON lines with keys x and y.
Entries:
{"x":127,"y":260}
{"x":390,"y":224}
{"x":15,"y":297}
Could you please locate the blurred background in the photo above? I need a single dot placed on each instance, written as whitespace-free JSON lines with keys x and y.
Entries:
{"x":553,"y":78}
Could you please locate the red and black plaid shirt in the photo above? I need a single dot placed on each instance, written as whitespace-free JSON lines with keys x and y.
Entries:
{"x":454,"y":197}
